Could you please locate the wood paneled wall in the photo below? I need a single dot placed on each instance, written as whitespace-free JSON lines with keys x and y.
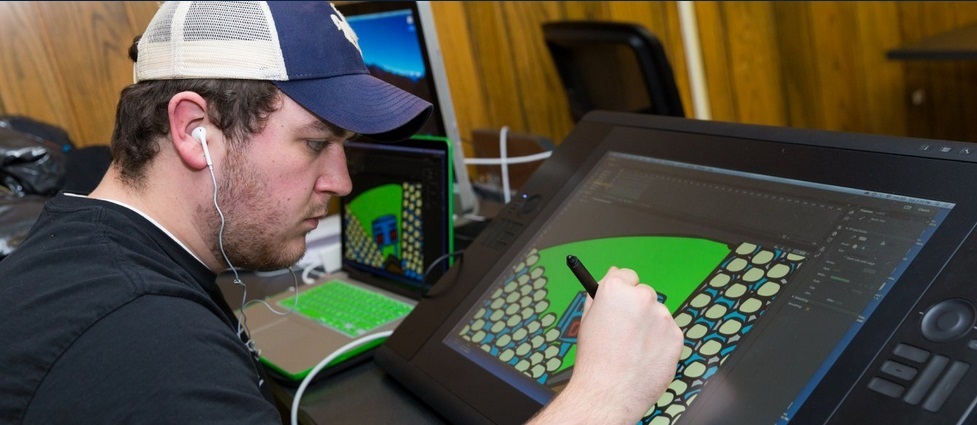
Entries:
{"x":801,"y":64}
{"x":500,"y":72}
{"x":823,"y":65}
{"x":65,"y":62}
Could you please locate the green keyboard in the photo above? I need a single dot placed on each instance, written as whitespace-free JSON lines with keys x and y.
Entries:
{"x":347,"y":308}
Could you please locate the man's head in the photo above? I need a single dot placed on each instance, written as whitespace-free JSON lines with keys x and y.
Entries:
{"x":236,"y":54}
{"x":306,"y":49}
{"x":278,"y":86}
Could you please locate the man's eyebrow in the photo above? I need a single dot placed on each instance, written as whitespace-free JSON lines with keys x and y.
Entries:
{"x":325,"y":126}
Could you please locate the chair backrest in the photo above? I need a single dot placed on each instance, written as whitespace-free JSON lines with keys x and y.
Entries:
{"x":615,"y":66}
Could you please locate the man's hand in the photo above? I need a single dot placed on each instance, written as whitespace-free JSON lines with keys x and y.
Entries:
{"x":627,"y":353}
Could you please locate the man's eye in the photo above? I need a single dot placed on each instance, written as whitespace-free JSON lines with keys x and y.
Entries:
{"x":317,"y":145}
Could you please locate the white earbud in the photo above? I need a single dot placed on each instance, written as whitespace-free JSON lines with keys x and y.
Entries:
{"x":200,"y":134}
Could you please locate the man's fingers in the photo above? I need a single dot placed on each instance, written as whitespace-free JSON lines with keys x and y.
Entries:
{"x":623,"y":276}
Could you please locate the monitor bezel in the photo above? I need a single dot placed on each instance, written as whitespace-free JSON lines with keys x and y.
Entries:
{"x":463,"y":391}
{"x":438,"y":231}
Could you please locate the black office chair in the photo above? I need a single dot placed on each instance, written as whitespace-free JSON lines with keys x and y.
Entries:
{"x":614,"y":66}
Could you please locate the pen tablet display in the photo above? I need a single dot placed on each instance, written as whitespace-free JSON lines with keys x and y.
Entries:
{"x":790,"y":259}
{"x":695,"y":235}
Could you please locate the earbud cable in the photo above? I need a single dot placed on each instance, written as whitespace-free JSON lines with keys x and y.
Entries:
{"x":242,"y":328}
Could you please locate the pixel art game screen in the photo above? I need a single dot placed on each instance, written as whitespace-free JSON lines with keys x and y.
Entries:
{"x":742,"y":262}
{"x":396,"y":220}
{"x":383,"y":228}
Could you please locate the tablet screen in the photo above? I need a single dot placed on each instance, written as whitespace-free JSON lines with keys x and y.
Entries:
{"x":719,"y":246}
{"x":800,"y":265}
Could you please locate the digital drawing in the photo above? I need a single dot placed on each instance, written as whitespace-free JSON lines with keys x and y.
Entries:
{"x":716,"y":292}
{"x":386,"y":241}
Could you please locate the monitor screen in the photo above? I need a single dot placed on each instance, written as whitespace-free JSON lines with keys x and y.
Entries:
{"x":817,"y":254}
{"x":800,"y":265}
{"x":396,"y":222}
{"x":400,"y":46}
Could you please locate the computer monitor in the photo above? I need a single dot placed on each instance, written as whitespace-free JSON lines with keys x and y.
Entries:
{"x":817,"y":277}
{"x":400,"y":45}
{"x":397,"y":224}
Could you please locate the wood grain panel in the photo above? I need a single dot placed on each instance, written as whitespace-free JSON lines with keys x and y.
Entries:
{"x":836,"y":48}
{"x":885,"y":98}
{"x":140,"y":13}
{"x":586,"y":10}
{"x":537,"y":82}
{"x":90,"y":40}
{"x":30,"y":84}
{"x":467,"y":93}
{"x":518,"y":83}
{"x":801,"y":85}
{"x":715,"y":57}
{"x":754,"y":62}
{"x":493,"y":63}
{"x":830,"y":71}
{"x":803,"y":64}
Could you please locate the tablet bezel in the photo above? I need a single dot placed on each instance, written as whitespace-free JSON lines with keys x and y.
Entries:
{"x":465,"y":392}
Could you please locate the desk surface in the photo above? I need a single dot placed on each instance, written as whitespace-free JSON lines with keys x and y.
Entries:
{"x":361,"y":394}
{"x":960,"y":43}
{"x":364,"y":393}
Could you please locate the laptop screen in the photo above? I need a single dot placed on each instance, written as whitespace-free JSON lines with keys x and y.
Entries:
{"x":396,"y":222}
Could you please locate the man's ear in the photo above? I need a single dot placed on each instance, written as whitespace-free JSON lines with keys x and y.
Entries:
{"x":188,"y":111}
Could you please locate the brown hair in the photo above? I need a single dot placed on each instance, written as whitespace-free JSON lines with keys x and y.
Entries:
{"x":239,"y":108}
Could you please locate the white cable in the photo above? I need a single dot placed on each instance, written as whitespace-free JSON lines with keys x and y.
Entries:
{"x":286,"y":312}
{"x":220,"y":232}
{"x":322,"y":364}
{"x":511,"y":160}
{"x":503,"y":144}
{"x":307,"y":273}
{"x":504,"y":160}
{"x":242,"y":323}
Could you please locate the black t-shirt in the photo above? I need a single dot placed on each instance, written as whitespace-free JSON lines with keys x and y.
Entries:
{"x":106,"y":319}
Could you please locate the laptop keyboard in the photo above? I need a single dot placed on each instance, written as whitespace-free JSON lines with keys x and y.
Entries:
{"x":347,"y":308}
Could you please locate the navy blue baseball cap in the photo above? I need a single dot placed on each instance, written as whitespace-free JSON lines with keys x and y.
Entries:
{"x":307,"y":49}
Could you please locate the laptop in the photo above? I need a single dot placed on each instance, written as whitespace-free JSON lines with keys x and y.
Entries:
{"x":396,"y":237}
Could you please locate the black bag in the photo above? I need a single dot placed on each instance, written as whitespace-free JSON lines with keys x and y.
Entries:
{"x":30,"y":165}
{"x":43,"y":130}
{"x":32,"y":170}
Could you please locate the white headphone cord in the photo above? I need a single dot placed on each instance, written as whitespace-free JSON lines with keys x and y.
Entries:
{"x":242,"y":323}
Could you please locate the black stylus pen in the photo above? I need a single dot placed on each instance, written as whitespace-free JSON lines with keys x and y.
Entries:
{"x":585,"y":278}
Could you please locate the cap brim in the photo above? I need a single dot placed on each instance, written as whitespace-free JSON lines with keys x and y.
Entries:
{"x":361,"y":103}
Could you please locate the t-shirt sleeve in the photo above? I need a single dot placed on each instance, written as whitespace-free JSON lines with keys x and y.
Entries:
{"x":157,"y":360}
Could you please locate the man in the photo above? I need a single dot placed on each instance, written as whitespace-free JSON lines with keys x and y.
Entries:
{"x":226,"y":151}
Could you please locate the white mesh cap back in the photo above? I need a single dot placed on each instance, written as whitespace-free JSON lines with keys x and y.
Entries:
{"x":242,"y":44}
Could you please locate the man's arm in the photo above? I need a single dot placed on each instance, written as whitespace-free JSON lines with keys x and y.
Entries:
{"x":627,"y":353}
